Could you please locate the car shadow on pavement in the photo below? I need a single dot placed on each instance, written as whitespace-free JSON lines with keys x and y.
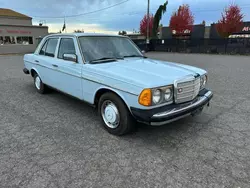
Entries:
{"x":87,"y":117}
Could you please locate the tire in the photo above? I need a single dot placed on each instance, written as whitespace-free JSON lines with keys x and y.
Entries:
{"x":110,"y":104}
{"x":39,"y":85}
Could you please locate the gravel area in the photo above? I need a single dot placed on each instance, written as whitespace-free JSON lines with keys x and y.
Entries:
{"x":54,"y":140}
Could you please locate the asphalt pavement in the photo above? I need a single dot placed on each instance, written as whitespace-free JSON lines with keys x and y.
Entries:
{"x":54,"y":140}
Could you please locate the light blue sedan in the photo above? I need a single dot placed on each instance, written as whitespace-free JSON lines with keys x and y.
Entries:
{"x":111,"y":73}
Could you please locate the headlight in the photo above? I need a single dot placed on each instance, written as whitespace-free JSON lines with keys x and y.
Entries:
{"x":203,"y":81}
{"x":168,"y":94}
{"x":156,"y":96}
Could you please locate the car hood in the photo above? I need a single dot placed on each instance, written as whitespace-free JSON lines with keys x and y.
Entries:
{"x":145,"y":72}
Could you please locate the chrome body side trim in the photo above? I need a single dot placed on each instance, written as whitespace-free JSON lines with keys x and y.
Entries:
{"x":82,"y":78}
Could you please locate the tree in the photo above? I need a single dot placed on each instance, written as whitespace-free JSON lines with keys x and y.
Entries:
{"x":203,"y":22}
{"x":231,"y":21}
{"x":158,"y":15}
{"x":182,"y":20}
{"x":122,"y":33}
{"x":143,"y":25}
{"x":78,"y":31}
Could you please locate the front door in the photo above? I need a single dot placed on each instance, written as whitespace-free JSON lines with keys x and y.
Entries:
{"x":68,"y":73}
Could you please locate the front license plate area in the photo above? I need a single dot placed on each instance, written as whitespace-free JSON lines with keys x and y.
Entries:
{"x":197,"y":111}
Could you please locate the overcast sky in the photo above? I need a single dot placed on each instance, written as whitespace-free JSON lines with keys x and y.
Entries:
{"x":126,"y":16}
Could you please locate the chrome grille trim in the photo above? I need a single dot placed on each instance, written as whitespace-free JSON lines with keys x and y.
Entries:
{"x":190,"y":88}
{"x":188,"y":91}
{"x":179,"y":98}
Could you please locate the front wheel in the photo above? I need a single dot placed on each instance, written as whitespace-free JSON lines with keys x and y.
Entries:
{"x":114,"y":114}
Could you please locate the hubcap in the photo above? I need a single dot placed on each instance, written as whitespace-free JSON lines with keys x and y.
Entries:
{"x":38,"y":83}
{"x":110,"y":114}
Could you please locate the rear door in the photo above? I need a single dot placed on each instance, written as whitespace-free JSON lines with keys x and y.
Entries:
{"x":45,"y":60}
{"x":68,"y":73}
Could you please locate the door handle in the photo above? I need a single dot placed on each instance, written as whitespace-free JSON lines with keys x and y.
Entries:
{"x":54,"y":65}
{"x":36,"y":61}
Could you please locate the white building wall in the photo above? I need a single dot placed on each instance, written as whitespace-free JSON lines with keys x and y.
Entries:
{"x":15,"y":21}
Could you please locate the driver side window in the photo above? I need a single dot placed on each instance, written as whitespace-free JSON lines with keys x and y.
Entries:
{"x":66,"y":46}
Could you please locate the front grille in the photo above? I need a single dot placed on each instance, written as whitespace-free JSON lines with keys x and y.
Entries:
{"x":187,"y":90}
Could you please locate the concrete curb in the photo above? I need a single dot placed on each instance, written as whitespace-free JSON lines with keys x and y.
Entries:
{"x":12,"y":54}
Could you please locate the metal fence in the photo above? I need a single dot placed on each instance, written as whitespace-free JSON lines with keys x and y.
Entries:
{"x":216,"y":46}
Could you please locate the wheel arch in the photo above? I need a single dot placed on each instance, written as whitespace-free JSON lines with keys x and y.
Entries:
{"x":103,"y":90}
{"x":34,"y":71}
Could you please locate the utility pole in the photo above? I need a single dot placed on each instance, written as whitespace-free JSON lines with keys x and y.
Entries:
{"x":147,"y":41}
{"x":65,"y":25}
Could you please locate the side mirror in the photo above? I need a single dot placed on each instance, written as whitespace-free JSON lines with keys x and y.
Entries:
{"x":70,"y":57}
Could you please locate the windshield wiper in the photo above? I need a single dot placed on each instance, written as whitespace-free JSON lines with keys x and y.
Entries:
{"x":103,"y":59}
{"x":134,"y":55}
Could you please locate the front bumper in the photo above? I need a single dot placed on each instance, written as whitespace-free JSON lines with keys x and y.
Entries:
{"x":173,"y":112}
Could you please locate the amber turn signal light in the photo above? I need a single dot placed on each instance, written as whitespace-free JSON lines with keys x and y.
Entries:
{"x":145,"y":97}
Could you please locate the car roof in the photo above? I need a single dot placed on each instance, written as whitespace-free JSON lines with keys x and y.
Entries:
{"x":84,"y":34}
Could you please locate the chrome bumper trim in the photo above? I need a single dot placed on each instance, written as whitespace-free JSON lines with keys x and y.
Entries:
{"x":176,"y":111}
{"x":169,"y":121}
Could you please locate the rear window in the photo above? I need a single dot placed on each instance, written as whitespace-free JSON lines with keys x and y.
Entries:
{"x":49,"y":48}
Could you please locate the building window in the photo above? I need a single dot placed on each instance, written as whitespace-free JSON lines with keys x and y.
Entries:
{"x":12,"y":40}
{"x":6,"y":40}
{"x":1,"y":41}
{"x":24,"y":40}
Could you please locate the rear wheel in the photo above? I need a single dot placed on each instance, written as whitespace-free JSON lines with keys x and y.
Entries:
{"x":114,"y":114}
{"x":39,"y":85}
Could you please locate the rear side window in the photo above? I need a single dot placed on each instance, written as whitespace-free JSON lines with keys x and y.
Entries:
{"x":66,"y":47}
{"x":49,"y":48}
{"x":42,"y":51}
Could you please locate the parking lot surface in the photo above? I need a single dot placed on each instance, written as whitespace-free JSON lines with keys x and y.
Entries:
{"x":54,"y":140}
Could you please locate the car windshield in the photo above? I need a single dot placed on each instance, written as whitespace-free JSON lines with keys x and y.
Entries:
{"x":96,"y":48}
